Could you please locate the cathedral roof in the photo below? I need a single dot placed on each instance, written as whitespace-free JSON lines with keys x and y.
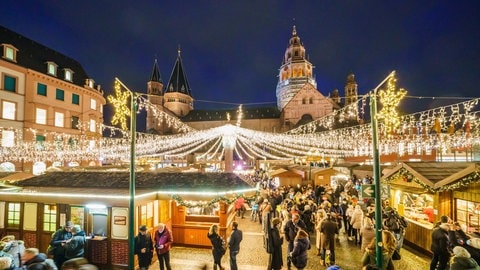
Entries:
{"x":178,"y":80}
{"x":156,"y":77}
{"x":33,"y":55}
{"x":221,"y":114}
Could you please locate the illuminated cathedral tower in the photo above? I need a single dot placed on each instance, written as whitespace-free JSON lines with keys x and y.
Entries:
{"x":351,"y":90}
{"x":295,"y":72}
{"x":154,"y":91}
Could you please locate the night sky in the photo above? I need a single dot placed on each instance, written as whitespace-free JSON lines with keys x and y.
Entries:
{"x":232,"y":50}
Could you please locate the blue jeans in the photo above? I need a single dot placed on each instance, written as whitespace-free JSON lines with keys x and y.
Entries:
{"x":233,"y":259}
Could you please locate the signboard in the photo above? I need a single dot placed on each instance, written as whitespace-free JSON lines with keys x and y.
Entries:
{"x":368,"y":191}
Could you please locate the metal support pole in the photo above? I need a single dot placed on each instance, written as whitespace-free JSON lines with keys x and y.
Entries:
{"x":131,"y":206}
{"x":376,"y":174}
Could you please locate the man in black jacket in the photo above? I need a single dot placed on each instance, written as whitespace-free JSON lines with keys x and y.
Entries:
{"x":144,"y":248}
{"x":291,"y":228}
{"x":234,"y":245}
{"x":440,"y":245}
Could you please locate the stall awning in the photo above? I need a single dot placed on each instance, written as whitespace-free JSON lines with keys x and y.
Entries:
{"x":435,"y":176}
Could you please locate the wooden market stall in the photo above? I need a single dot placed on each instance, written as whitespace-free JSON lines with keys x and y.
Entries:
{"x":188,"y":203}
{"x":424,"y":191}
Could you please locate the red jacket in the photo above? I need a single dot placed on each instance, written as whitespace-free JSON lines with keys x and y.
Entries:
{"x":165,"y":239}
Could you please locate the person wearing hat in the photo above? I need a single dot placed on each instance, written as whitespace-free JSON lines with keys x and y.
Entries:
{"x":59,"y":238}
{"x":275,"y":242}
{"x":144,"y":248}
{"x":462,"y":260}
{"x":440,"y":245}
{"x":75,"y":246}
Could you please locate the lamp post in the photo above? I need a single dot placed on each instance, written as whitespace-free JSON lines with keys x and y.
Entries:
{"x":131,"y":204}
{"x":376,"y":172}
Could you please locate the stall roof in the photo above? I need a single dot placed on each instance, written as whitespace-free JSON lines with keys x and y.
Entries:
{"x":437,"y":175}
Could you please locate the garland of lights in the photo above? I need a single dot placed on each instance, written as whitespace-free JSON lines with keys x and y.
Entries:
{"x":465,"y":181}
{"x":201,"y":204}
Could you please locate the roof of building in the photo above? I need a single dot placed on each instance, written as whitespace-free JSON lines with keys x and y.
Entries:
{"x":221,"y":114}
{"x":178,"y":79}
{"x":34,"y":55}
{"x":181,"y":182}
{"x":156,"y":77}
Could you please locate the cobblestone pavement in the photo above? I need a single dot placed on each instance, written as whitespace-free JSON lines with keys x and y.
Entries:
{"x":252,"y":255}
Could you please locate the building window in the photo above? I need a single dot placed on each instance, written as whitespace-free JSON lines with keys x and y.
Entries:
{"x":59,"y":119}
{"x":13,"y":216}
{"x":41,"y":116}
{"x":52,"y":68}
{"x":75,"y":122}
{"x":90,"y":83}
{"x":9,"y":110}
{"x":41,"y":89}
{"x":40,"y":142}
{"x":75,"y":99}
{"x":92,"y":125}
{"x":10,"y":53}
{"x":68,"y":74}
{"x":93,"y":104}
{"x":9,"y":83}
{"x":60,"y":94}
{"x":8,"y":138}
{"x":49,"y":217}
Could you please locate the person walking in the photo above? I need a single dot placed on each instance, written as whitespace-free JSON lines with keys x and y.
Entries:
{"x":75,"y":246}
{"x":275,"y":260}
{"x":290,"y":231}
{"x":58,"y":241}
{"x":356,"y":221}
{"x":298,"y":255}
{"x":329,"y":229}
{"x":440,"y":245}
{"x":218,"y":249}
{"x":234,"y":245}
{"x":163,"y":242}
{"x":144,"y":248}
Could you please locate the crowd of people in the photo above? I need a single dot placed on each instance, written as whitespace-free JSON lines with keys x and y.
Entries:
{"x":65,"y":252}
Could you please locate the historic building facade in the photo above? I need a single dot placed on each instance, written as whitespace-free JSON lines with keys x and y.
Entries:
{"x":298,"y":99}
{"x":45,"y":97}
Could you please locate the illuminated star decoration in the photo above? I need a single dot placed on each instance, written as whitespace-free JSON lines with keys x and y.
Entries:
{"x":120,"y":101}
{"x":390,"y":98}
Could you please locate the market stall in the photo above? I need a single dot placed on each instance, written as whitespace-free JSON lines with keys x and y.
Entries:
{"x":424,"y":191}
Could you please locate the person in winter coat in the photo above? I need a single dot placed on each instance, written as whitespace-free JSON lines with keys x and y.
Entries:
{"x":163,"y":242}
{"x":291,"y":230}
{"x":275,"y":261}
{"x":329,"y":229}
{"x":58,"y":241}
{"x":440,"y":245}
{"x":300,"y":248}
{"x":234,"y":245}
{"x":319,"y":238}
{"x":388,"y":248}
{"x":356,"y":221}
{"x":462,"y":260}
{"x":32,"y":259}
{"x":75,"y":246}
{"x":144,"y":248}
{"x":367,"y":232}
{"x":217,"y":246}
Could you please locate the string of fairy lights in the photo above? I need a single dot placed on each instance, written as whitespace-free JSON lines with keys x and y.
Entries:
{"x":441,"y":128}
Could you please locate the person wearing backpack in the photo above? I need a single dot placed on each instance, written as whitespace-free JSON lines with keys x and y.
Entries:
{"x":32,"y":259}
{"x":396,"y":224}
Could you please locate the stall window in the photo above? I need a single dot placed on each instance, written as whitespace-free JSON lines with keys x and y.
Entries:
{"x":50,"y":217}
{"x":77,"y":214}
{"x":13,"y":219}
{"x":468,"y":215}
{"x":415,"y":206}
{"x":204,"y":210}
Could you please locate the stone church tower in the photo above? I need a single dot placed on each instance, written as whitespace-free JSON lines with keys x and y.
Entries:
{"x":351,"y":90}
{"x":154,"y":91}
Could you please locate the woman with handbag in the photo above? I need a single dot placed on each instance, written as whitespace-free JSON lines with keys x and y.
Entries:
{"x":218,"y":247}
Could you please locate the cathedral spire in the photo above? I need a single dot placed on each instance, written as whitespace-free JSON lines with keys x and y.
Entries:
{"x":156,"y":77}
{"x":178,"y":79}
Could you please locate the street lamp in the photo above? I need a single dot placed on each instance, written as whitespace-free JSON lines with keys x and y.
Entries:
{"x":122,"y":111}
{"x":376,"y":172}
